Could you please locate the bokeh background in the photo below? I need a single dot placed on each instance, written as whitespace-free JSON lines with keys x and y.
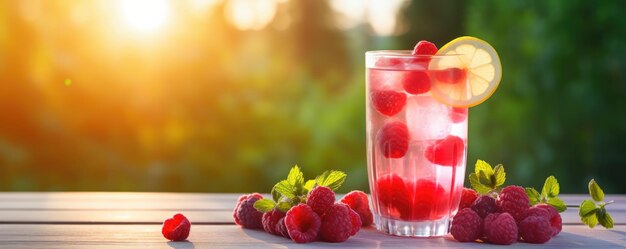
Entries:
{"x":227,"y":95}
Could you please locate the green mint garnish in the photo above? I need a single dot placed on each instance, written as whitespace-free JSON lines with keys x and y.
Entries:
{"x":331,"y":179}
{"x":294,"y":190}
{"x":264,"y":205}
{"x":486,"y":179}
{"x":593,"y":211}
{"x":549,"y":194}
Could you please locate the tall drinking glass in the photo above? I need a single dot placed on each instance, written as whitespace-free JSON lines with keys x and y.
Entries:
{"x":416,"y":146}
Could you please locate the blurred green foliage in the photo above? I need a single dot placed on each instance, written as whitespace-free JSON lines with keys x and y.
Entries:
{"x":214,"y":109}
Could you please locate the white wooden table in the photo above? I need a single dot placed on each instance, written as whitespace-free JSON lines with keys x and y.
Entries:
{"x":133,"y":220}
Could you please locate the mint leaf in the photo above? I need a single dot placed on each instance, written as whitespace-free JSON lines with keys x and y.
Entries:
{"x":476,"y":185}
{"x":484,"y":179}
{"x":595,"y":191}
{"x":296,"y":179}
{"x":285,"y":189}
{"x":331,"y":179}
{"x":587,"y":213}
{"x":533,"y":196}
{"x":604,"y":218}
{"x":275,"y":194}
{"x":283,"y":206}
{"x":500,"y":175}
{"x":483,"y":166}
{"x":557,"y":203}
{"x":550,"y":187}
{"x":309,"y":185}
{"x":264,"y":205}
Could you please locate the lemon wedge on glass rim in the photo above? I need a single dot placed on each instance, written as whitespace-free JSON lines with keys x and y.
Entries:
{"x":481,"y":67}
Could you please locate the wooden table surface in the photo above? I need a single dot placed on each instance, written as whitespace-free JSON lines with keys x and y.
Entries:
{"x":133,"y":220}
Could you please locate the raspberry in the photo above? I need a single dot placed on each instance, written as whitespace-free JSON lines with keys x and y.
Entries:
{"x":536,"y":229}
{"x":303,"y":224}
{"x":467,"y":198}
{"x":281,"y":228}
{"x":446,"y":152}
{"x":270,"y":220}
{"x":485,"y":205}
{"x":336,"y":224}
{"x":430,"y":201}
{"x":355,"y":220}
{"x":393,"y":139}
{"x":513,"y":200}
{"x":320,"y":199}
{"x":500,"y":228}
{"x":388,"y":102}
{"x":416,"y":82}
{"x":425,"y":48}
{"x":467,"y":226}
{"x":451,"y":75}
{"x":176,"y":228}
{"x":357,"y":200}
{"x":393,"y":195}
{"x":245,"y":214}
{"x":555,"y":218}
{"x":458,"y":115}
{"x":535,"y":211}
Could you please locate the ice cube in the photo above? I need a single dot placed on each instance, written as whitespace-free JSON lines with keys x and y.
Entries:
{"x":426,"y":118}
{"x":385,"y":79}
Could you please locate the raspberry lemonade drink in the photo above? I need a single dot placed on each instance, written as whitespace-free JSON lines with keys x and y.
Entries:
{"x":417,"y":116}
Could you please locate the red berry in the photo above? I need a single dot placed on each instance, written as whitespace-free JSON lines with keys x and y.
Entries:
{"x":535,"y":211}
{"x":388,"y":102}
{"x":536,"y":229}
{"x":452,"y":75}
{"x":500,"y":228}
{"x":393,"y":195}
{"x":320,"y":199}
{"x":176,"y":228}
{"x":336,"y":224}
{"x":416,"y":82}
{"x":245,"y":214}
{"x":281,"y":228}
{"x":485,"y":205}
{"x":355,"y":220}
{"x":467,"y":198}
{"x":458,"y":115}
{"x":270,"y":219}
{"x":555,"y":218}
{"x":303,"y":225}
{"x":425,"y":48}
{"x":357,"y":200}
{"x":513,"y":200}
{"x":393,"y":139}
{"x":446,"y":152}
{"x":430,"y":201}
{"x":466,"y":226}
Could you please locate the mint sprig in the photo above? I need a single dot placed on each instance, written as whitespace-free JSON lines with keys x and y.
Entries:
{"x":294,"y":190}
{"x":549,"y":194}
{"x":593,"y":212}
{"x":486,"y":179}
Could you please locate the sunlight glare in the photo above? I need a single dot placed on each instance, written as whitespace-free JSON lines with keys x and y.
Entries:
{"x":144,"y":15}
{"x":250,"y":14}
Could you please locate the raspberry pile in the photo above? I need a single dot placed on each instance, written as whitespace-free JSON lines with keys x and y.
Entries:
{"x":315,"y":215}
{"x":504,"y":219}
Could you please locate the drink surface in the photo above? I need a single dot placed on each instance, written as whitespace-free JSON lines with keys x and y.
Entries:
{"x":416,"y":146}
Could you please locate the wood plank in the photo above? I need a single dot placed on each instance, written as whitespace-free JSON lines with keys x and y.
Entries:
{"x":230,"y":236}
{"x":164,"y":201}
{"x":157,"y":216}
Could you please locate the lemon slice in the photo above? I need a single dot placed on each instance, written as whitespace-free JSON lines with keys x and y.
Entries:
{"x":467,"y":74}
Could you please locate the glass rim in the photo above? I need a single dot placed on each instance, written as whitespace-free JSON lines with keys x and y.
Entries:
{"x":404,"y":54}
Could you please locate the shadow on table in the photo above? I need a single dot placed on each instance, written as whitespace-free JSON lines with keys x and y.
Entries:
{"x":273,"y":241}
{"x":186,"y":244}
